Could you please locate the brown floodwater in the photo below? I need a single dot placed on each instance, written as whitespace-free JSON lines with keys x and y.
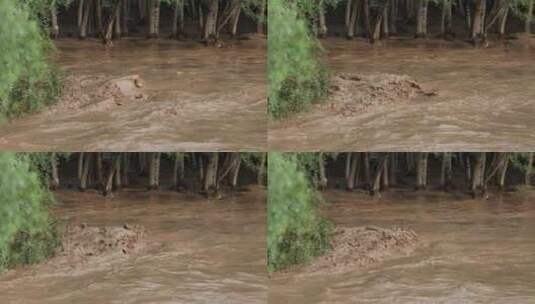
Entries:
{"x":471,"y":251}
{"x":485,"y":101}
{"x":208,"y":252}
{"x":218,"y":96}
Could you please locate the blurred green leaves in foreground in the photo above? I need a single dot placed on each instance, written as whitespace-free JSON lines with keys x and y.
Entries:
{"x":296,"y":231}
{"x":27,"y":232}
{"x":27,"y":81}
{"x":296,"y":76}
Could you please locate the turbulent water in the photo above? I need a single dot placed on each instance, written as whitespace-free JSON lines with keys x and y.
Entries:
{"x":203,"y":252}
{"x":472,"y":251}
{"x":485,"y":100}
{"x":199,"y":98}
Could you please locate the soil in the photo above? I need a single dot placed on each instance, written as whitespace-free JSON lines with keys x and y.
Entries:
{"x":358,"y":247}
{"x":82,"y":243}
{"x":98,"y":93}
{"x":350,"y":94}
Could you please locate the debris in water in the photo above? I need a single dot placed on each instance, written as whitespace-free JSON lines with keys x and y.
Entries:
{"x":353,"y":248}
{"x":98,"y":93}
{"x":353,"y":93}
{"x":81,"y":242}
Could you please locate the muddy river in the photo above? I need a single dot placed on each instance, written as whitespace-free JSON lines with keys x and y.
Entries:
{"x":199,"y":98}
{"x":207,"y":252}
{"x":470,"y":252}
{"x":485,"y":99}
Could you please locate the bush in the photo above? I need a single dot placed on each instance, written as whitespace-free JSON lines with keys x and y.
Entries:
{"x":27,"y":233}
{"x":296,"y":232}
{"x":296,"y":76}
{"x":27,"y":81}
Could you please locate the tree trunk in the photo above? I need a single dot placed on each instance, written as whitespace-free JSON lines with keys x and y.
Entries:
{"x":113,"y":19}
{"x":446,"y":171}
{"x":503,"y":174}
{"x":117,"y":22}
{"x":262,"y":20}
{"x":503,"y":21}
{"x":477,"y":175}
{"x":260,"y":179}
{"x":529,"y":17}
{"x":80,"y":164}
{"x":233,"y":26}
{"x":80,"y":13}
{"x":322,"y":22}
{"x":385,"y":178}
{"x":126,"y":168}
{"x":117,"y":175}
{"x":85,"y":172}
{"x":154,"y":18}
{"x":210,"y":177}
{"x":54,"y":31}
{"x":180,"y":31}
{"x":85,"y":19}
{"x":393,"y":169}
{"x":100,"y":172}
{"x":385,"y":24}
{"x":478,"y":21}
{"x":323,"y":177}
{"x":446,"y":23}
{"x":98,"y":15}
{"x":154,"y":171}
{"x":394,"y":4}
{"x":124,"y":20}
{"x":179,"y":172}
{"x":112,"y":174}
{"x":421,"y":21}
{"x":235,"y":171}
{"x":201,"y":168}
{"x":497,"y":163}
{"x":421,"y":173}
{"x":529,"y":169}
{"x":54,"y":183}
{"x":353,"y":12}
{"x":367,"y":173}
{"x":366,"y":18}
{"x":378,"y":174}
{"x":211,"y":21}
{"x":351,"y":177}
{"x":348,"y":164}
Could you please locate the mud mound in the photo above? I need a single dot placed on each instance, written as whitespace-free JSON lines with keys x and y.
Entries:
{"x":98,"y":93}
{"x":353,"y":248}
{"x":81,"y":243}
{"x":354,"y":93}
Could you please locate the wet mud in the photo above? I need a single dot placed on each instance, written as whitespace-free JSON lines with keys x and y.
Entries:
{"x":181,"y":248}
{"x":191,"y":97}
{"x":483,"y":99}
{"x":469,"y":251}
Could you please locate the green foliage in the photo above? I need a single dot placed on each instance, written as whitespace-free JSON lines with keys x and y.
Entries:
{"x":33,"y":92}
{"x":520,"y":8}
{"x":41,"y":163}
{"x":308,"y":162}
{"x":296,"y":232}
{"x":296,"y":76}
{"x":27,"y":82}
{"x":252,"y":160}
{"x":519,"y":160}
{"x":27,"y":233}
